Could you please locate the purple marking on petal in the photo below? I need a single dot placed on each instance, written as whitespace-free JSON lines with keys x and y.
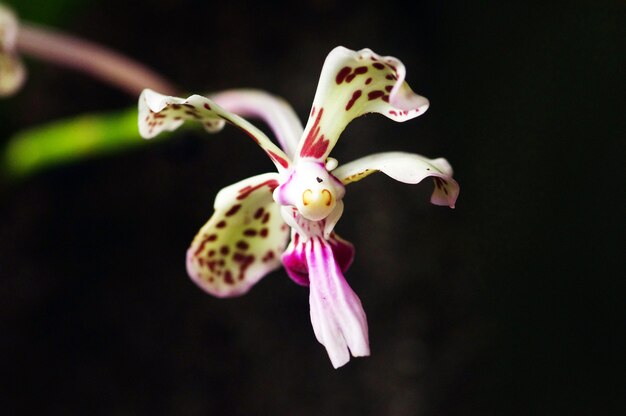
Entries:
{"x":337,"y":315}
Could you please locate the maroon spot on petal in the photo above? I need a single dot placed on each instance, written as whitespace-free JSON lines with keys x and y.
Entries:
{"x":360,"y":70}
{"x":221,"y":224}
{"x":375,"y":94}
{"x":393,"y":113}
{"x":355,"y":96}
{"x":228,"y":277}
{"x":378,"y":65}
{"x":258,"y":213}
{"x":212,"y":237}
{"x":224,"y":250}
{"x":390,"y":77}
{"x":176,"y":106}
{"x":242,"y":245}
{"x":385,"y":98}
{"x":312,"y":111}
{"x":388,"y":88}
{"x":189,"y":106}
{"x":244,"y":192}
{"x":221,"y":262}
{"x":315,"y":145}
{"x":278,"y":159}
{"x":367,"y":81}
{"x":263,"y":233}
{"x":244,"y":262}
{"x":341,"y":75}
{"x":268,"y":256}
{"x":250,"y":232}
{"x":266,"y":218}
{"x":233,"y":210}
{"x":207,"y":106}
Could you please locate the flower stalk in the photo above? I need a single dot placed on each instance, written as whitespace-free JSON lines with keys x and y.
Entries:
{"x":84,"y":56}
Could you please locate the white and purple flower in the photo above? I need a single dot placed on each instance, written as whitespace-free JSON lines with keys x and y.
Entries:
{"x":254,"y":219}
{"x":12,"y":73}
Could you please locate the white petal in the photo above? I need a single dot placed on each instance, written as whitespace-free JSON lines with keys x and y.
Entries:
{"x":407,"y":168}
{"x":12,"y":72}
{"x":354,"y":83}
{"x":275,"y":111}
{"x":159,"y":112}
{"x":243,"y":240}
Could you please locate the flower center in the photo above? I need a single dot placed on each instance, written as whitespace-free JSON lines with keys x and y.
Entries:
{"x":316,"y":203}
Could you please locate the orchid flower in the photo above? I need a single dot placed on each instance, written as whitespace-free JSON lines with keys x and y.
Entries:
{"x":12,"y":73}
{"x":254,"y":219}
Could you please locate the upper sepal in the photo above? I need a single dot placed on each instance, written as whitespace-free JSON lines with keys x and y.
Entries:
{"x":354,"y":83}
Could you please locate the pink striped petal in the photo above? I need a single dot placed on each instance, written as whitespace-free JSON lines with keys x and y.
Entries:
{"x":294,"y":257}
{"x":275,"y":111}
{"x":337,"y":315}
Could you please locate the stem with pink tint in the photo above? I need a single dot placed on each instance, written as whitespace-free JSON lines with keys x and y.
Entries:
{"x":90,"y":58}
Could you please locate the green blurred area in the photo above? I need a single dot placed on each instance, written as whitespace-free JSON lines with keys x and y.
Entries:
{"x":47,"y":12}
{"x":64,"y":141}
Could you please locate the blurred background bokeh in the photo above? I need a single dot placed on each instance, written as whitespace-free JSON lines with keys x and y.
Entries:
{"x":507,"y":305}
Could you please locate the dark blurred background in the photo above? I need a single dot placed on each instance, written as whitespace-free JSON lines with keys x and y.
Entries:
{"x":507,"y":305}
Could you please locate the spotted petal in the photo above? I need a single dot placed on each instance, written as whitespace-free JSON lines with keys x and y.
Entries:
{"x":159,"y":112}
{"x":354,"y":83}
{"x":407,"y":168}
{"x":12,"y":72}
{"x":337,"y":315}
{"x":242,"y":241}
{"x":275,"y":111}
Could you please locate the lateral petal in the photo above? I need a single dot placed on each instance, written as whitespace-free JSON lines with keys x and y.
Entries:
{"x":159,"y":112}
{"x":405,"y":167}
{"x":242,"y":241}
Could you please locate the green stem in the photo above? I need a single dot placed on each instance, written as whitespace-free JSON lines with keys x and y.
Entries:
{"x":61,"y":142}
